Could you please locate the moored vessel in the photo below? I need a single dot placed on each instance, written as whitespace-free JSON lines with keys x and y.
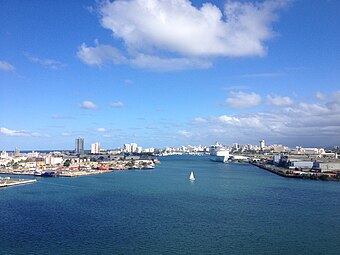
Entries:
{"x":219,"y":153}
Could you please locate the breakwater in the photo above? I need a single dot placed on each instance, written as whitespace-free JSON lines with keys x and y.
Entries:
{"x":7,"y":182}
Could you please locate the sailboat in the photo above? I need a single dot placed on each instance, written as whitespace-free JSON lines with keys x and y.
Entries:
{"x":192,"y":177}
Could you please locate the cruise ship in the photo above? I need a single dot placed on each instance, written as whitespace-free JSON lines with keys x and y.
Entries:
{"x":219,"y":153}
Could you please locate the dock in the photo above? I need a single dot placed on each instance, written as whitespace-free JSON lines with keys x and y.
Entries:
{"x":297,"y":174}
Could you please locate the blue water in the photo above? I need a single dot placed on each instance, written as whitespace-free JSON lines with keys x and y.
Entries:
{"x":229,"y":209}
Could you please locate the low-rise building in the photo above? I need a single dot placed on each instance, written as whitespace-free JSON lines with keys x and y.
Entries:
{"x":326,"y":166}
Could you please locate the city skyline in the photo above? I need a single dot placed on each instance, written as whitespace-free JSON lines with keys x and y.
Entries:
{"x":177,"y":73}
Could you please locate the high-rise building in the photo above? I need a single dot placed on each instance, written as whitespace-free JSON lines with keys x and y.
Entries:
{"x":79,"y":149}
{"x":134,"y":147}
{"x":130,"y":147}
{"x":95,"y":148}
{"x":127,"y":147}
{"x":262,"y":145}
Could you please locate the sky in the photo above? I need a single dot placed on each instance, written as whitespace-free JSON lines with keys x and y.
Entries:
{"x":169,"y":73}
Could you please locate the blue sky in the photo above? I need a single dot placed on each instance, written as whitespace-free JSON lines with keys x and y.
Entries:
{"x":169,"y":73}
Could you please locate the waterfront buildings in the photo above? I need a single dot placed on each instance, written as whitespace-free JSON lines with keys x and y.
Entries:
{"x":79,"y":146}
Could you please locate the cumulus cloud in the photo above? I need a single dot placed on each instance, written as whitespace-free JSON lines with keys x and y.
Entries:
{"x":50,"y":63}
{"x":10,"y":132}
{"x":177,"y":26}
{"x":241,"y":100}
{"x":99,"y":54}
{"x":176,"y":33}
{"x":88,"y":105}
{"x":117,"y":104}
{"x":309,"y":124}
{"x":279,"y":100}
{"x":101,"y":130}
{"x":228,"y":119}
{"x":5,"y":66}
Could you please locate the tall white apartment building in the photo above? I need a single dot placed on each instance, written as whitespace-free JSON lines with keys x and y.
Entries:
{"x":262,"y":145}
{"x":127,"y":147}
{"x":95,"y":148}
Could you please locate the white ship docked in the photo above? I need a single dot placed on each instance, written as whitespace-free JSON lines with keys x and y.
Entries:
{"x":219,"y":153}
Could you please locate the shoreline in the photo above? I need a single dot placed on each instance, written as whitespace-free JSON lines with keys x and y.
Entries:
{"x":283,"y":172}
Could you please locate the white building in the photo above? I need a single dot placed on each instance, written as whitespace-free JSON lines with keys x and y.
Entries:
{"x":95,"y":148}
{"x":134,"y":147}
{"x":127,"y":147}
{"x":130,"y":147}
{"x":51,"y":160}
{"x":33,"y":154}
{"x":149,"y":150}
{"x":326,"y":166}
{"x":4,"y":155}
{"x":262,"y":145}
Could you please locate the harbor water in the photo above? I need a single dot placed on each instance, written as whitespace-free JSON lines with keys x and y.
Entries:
{"x":231,"y":208}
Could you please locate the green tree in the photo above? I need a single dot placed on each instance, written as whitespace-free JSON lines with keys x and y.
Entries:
{"x":67,"y":163}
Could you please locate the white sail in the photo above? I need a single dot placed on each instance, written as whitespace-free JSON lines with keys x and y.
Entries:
{"x":192,"y":177}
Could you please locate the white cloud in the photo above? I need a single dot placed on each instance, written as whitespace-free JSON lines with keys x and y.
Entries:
{"x":228,"y":120}
{"x":10,"y":132}
{"x":279,"y":100}
{"x":5,"y":66}
{"x":117,"y":104}
{"x":89,"y":105}
{"x":101,"y":130}
{"x":175,"y":35}
{"x":177,"y":26}
{"x":199,"y":120}
{"x":309,"y":124}
{"x":50,"y":63}
{"x":241,"y":100}
{"x":99,"y":54}
{"x":320,"y":95}
{"x":169,"y":64}
{"x":65,"y":133}
{"x":185,"y":133}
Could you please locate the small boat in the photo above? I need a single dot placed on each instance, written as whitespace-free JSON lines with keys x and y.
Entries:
{"x":192,"y":177}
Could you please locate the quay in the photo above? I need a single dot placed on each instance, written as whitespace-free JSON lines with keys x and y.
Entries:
{"x":7,"y":182}
{"x":297,"y":174}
